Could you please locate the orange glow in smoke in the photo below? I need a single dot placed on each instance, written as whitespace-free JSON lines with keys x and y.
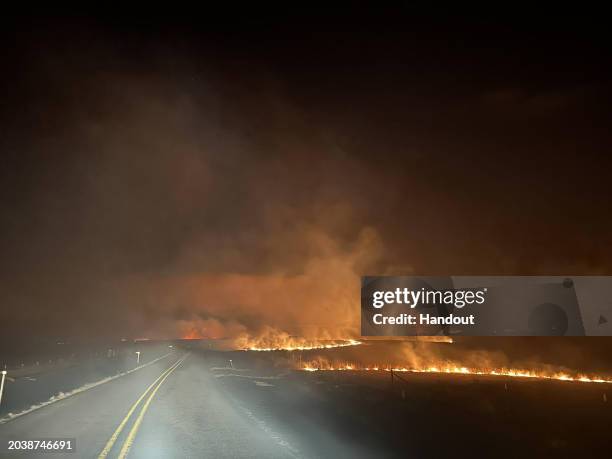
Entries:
{"x":192,"y":334}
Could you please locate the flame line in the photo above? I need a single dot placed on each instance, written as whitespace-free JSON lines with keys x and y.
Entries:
{"x":305,"y":347}
{"x":501,"y":372}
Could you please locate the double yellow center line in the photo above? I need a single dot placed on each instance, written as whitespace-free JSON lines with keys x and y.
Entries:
{"x":151,"y":390}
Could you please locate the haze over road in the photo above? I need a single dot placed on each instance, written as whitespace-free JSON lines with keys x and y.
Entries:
{"x":184,"y":414}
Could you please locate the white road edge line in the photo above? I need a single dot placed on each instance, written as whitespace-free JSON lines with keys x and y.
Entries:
{"x":57,"y":398}
{"x":293,"y":452}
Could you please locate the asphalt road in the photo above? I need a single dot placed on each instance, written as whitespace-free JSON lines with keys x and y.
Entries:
{"x":180,"y":409}
{"x":203,"y":403}
{"x":36,"y":384}
{"x":182,"y":415}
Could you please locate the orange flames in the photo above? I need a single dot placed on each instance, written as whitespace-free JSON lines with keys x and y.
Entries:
{"x":272,"y":339}
{"x":300,"y":345}
{"x":321,"y":365}
{"x":275,"y":340}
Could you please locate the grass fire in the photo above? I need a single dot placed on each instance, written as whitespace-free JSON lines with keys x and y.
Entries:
{"x":424,"y":356}
{"x":302,"y":345}
{"x":450,"y":369}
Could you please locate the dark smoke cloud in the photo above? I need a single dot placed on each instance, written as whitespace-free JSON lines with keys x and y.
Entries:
{"x":161,"y":187}
{"x":158,"y":211}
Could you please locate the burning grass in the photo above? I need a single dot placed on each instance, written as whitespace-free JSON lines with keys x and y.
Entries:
{"x":448,"y":368}
{"x":299,"y":345}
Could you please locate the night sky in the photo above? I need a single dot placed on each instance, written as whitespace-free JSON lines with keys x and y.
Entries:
{"x":219,"y":174}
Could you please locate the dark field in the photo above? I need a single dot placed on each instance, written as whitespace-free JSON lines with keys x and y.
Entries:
{"x":427,"y":415}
